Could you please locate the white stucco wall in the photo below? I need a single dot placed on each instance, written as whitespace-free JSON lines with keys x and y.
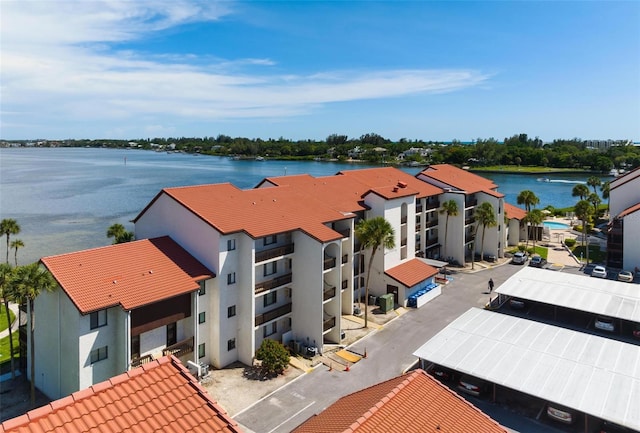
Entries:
{"x":626,"y":194}
{"x":631,"y":247}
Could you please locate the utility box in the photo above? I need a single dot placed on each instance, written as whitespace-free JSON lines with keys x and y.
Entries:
{"x":386,"y":302}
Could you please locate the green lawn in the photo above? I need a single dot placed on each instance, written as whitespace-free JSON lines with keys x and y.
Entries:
{"x":4,"y":348}
{"x":595,"y":255}
{"x":3,"y":318}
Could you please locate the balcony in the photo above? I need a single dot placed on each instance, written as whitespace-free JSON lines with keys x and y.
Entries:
{"x":418,"y":227}
{"x":271,"y":284}
{"x":273,"y":314}
{"x":345,"y":284}
{"x":403,"y":242}
{"x":345,"y":233}
{"x":432,"y":223}
{"x":329,"y":293}
{"x":328,"y":324}
{"x":403,"y":220}
{"x":137,"y":362}
{"x":433,"y":205}
{"x":329,"y":263}
{"x":345,"y":258}
{"x":469,"y":220}
{"x":469,"y":238}
{"x":261,"y":256}
{"x":470,"y":202}
{"x":431,"y":242}
{"x":179,"y":349}
{"x":418,"y":208}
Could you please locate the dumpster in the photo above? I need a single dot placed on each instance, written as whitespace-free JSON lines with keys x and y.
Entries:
{"x":386,"y":302}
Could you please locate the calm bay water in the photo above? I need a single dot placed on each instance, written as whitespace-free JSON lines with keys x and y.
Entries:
{"x":65,"y":198}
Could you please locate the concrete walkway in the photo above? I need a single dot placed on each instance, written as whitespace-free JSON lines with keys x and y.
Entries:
{"x":15,"y":324}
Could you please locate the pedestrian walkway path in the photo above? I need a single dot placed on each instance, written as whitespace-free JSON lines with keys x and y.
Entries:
{"x":15,"y":324}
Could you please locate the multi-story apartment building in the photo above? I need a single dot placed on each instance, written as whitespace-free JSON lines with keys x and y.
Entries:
{"x":118,"y":307}
{"x":468,"y":190}
{"x":219,"y":269}
{"x":624,"y":207}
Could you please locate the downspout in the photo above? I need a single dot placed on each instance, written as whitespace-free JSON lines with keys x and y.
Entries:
{"x":196,"y":326}
{"x":127,"y":340}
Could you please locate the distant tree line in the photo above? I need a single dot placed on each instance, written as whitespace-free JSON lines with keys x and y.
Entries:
{"x":518,"y":149}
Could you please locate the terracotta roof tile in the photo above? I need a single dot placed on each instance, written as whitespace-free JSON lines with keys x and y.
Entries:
{"x":390,"y":177}
{"x":514,"y":212}
{"x":411,"y":272}
{"x":414,"y":402}
{"x":460,"y":179}
{"x":131,"y":274}
{"x":105,"y":411}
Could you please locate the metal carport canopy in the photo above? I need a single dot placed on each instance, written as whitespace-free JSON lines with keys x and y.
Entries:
{"x":591,"y":374}
{"x":593,"y":295}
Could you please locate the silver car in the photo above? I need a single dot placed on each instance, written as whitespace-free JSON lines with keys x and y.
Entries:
{"x":599,"y":272}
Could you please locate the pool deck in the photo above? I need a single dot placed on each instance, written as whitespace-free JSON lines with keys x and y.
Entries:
{"x":558,"y":254}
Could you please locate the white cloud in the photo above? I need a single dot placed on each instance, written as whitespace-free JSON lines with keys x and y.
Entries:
{"x":57,"y":63}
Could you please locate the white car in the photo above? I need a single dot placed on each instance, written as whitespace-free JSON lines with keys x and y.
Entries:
{"x":599,"y":272}
{"x":625,"y":276}
{"x":605,"y":324}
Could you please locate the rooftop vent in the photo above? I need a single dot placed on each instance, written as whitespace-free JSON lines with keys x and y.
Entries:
{"x":402,"y":184}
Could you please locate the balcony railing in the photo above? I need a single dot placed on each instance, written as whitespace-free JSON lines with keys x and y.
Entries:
{"x":418,"y":208}
{"x":433,"y":205}
{"x":418,"y":227}
{"x":273,"y":314}
{"x":271,"y":284}
{"x":469,"y":220}
{"x":431,"y":242}
{"x":432,"y":223}
{"x":179,"y":349}
{"x":345,"y":284}
{"x":345,"y":258}
{"x":329,"y":263}
{"x":329,"y":293}
{"x":137,"y":362}
{"x":468,"y":238}
{"x":403,"y":220}
{"x":403,"y":242}
{"x":261,"y":256}
{"x":470,"y":202}
{"x":328,"y":324}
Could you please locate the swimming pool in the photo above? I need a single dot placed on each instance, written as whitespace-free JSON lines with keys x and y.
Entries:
{"x":554,"y":225}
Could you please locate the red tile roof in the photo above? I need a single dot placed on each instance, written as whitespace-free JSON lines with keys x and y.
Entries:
{"x":389,"y":177}
{"x":514,"y":212}
{"x":460,"y":179}
{"x":414,"y":402}
{"x":131,"y":274}
{"x":161,"y":396}
{"x":411,"y":272}
{"x":258,"y":212}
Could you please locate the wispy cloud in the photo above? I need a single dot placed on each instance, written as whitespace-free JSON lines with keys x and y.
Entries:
{"x":59,"y":62}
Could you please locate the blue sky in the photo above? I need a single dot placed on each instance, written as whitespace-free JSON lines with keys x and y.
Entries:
{"x":307,"y":69}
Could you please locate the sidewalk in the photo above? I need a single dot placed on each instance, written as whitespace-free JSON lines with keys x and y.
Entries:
{"x":15,"y":324}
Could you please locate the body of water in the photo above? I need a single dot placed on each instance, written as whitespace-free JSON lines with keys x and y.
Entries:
{"x":65,"y":198}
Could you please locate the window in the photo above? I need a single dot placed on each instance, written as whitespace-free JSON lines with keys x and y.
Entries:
{"x":231,"y":244}
{"x":201,"y":317}
{"x":268,"y":240}
{"x":231,"y":278}
{"x":270,"y":329}
{"x":98,"y":319}
{"x":231,"y":311}
{"x":231,"y":344}
{"x":99,"y":354}
{"x":270,"y":268}
{"x":172,"y":334}
{"x":201,"y":351}
{"x":203,"y":289}
{"x":270,"y":298}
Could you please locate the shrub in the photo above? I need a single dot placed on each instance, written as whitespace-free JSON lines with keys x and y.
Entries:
{"x":521,"y":248}
{"x":274,"y":357}
{"x":570,"y":242}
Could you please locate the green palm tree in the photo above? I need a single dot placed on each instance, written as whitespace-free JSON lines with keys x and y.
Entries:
{"x":595,"y":200}
{"x":30,"y":281}
{"x":580,"y":190}
{"x":451,"y":209}
{"x":374,"y":233}
{"x":119,"y":233}
{"x":486,"y":217}
{"x":584,"y":211}
{"x":594,"y":182}
{"x":535,"y":218}
{"x":528,"y":199}
{"x":15,"y":244}
{"x":606,"y":189}
{"x":6,"y":292}
{"x":8,"y":227}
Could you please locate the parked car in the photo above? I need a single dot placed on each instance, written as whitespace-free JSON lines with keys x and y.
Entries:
{"x":561,"y":413}
{"x":519,"y":258}
{"x":472,"y":385}
{"x":599,"y":272}
{"x":516,"y":303}
{"x":604,"y":323}
{"x":441,"y":373}
{"x":626,"y":276}
{"x":537,"y":261}
{"x":636,"y":330}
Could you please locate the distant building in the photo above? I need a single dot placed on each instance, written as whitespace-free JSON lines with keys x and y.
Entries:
{"x":623,"y":250}
{"x":605,"y":144}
